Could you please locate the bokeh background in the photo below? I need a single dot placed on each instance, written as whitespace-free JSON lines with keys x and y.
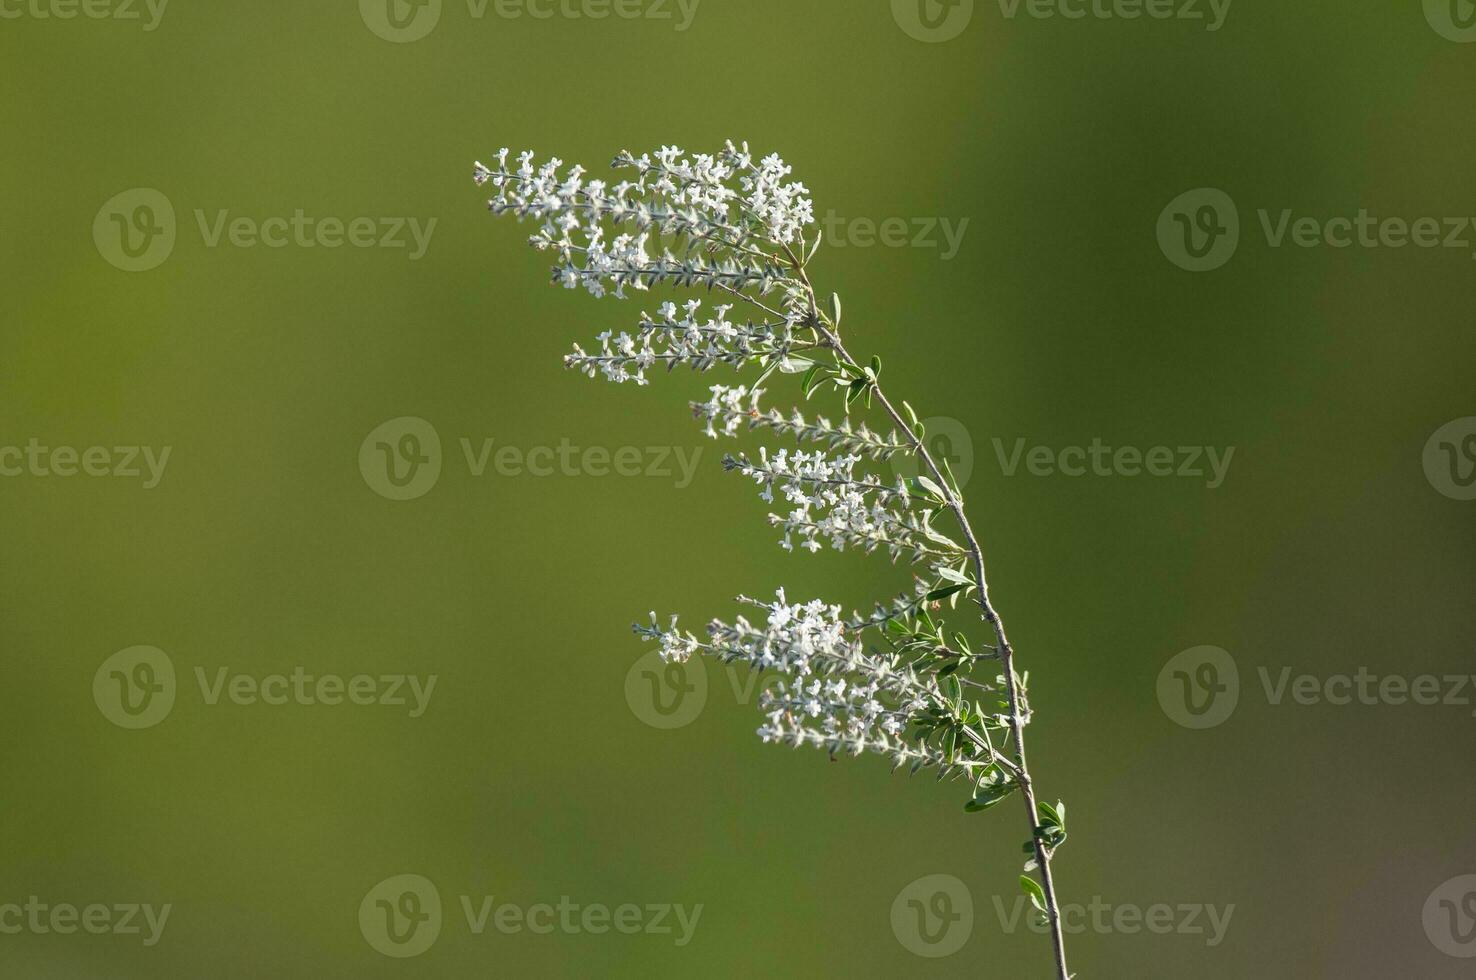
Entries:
{"x":532,"y":775}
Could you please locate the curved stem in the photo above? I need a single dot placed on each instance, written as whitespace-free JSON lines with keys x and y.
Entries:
{"x":1005,"y":651}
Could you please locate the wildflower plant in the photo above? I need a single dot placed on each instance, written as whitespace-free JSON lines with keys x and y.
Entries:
{"x":895,"y":681}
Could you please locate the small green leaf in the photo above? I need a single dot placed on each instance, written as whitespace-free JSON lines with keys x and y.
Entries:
{"x":1033,"y":889}
{"x":809,"y":378}
{"x":988,"y":796}
{"x":932,"y":488}
{"x":835,"y":309}
{"x":942,"y":539}
{"x":952,"y":480}
{"x":954,"y":689}
{"x":939,"y":594}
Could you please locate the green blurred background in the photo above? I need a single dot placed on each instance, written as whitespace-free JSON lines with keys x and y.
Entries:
{"x":531,"y":775}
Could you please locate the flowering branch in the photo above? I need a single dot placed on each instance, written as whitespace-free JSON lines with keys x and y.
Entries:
{"x":894,"y":682}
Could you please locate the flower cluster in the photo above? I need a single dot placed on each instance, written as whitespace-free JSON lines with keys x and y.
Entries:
{"x":812,"y":479}
{"x":730,"y":407}
{"x":835,"y":695}
{"x":720,"y":415}
{"x":671,"y":338}
{"x":721,"y":211}
{"x":738,"y":225}
{"x":834,"y":503}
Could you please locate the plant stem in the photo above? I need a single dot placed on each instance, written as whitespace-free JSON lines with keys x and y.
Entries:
{"x":1006,"y":653}
{"x":1006,"y":659}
